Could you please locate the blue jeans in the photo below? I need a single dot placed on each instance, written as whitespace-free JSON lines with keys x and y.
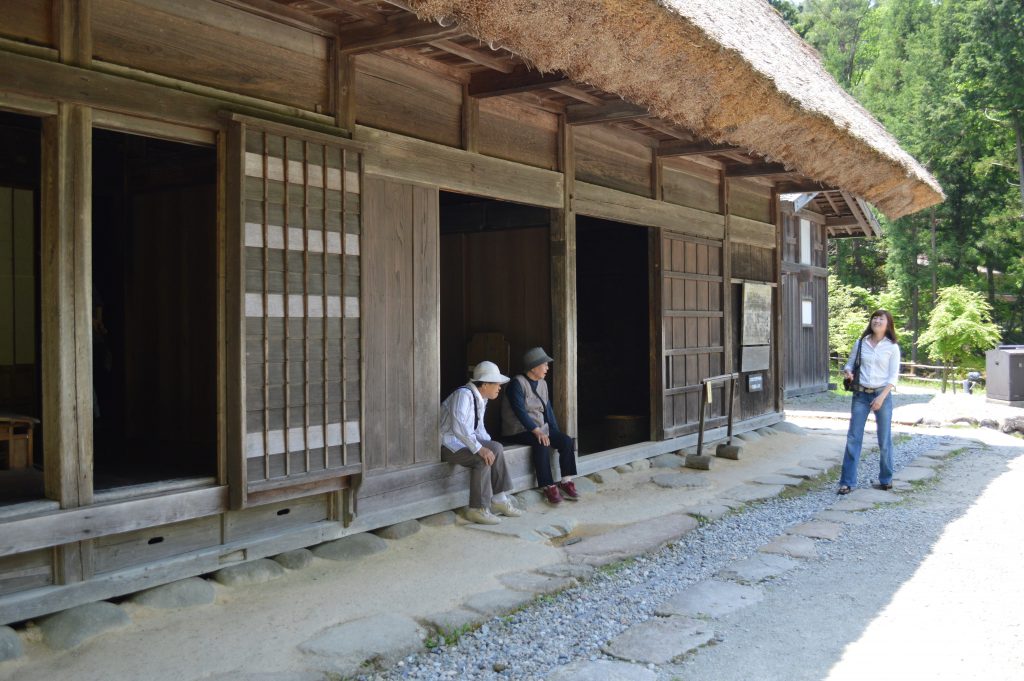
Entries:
{"x":859,"y":410}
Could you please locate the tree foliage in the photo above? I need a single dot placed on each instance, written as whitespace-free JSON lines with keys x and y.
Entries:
{"x":960,"y":326}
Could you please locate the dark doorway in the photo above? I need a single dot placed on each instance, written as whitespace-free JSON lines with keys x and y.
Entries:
{"x":495,"y":287}
{"x":613,"y":334}
{"x":154,"y":309}
{"x":21,"y":443}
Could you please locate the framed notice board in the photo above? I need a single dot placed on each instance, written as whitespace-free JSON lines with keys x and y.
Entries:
{"x":757,"y":314}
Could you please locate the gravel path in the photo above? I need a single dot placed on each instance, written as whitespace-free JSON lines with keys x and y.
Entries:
{"x":573,"y":625}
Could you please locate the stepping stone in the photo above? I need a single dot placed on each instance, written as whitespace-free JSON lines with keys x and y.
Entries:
{"x":758,"y":568}
{"x":184,"y":593}
{"x":253,"y":572}
{"x":352,"y":547}
{"x":847,"y":504}
{"x":299,"y":559}
{"x":578,"y":572}
{"x":710,"y":598}
{"x":787,"y":427}
{"x":789,"y":545}
{"x":445,"y":518}
{"x":700,"y":462}
{"x":925,"y":462}
{"x":631,"y":540}
{"x":559,"y":527}
{"x":604,"y":477}
{"x":10,"y":644}
{"x":361,"y":645}
{"x":816,"y":464}
{"x":498,"y":602}
{"x":602,"y":670}
{"x":584,"y":485}
{"x":452,"y":621}
{"x":239,"y":675}
{"x":845,"y":517}
{"x":668,"y":461}
{"x":680,"y":481}
{"x":75,"y":626}
{"x":659,"y":640}
{"x":769,"y":430}
{"x":801,"y":472}
{"x":747,"y":493}
{"x":709,"y":511}
{"x":534,"y":527}
{"x":398,"y":530}
{"x":817,"y":530}
{"x":875,"y":496}
{"x":623,"y":469}
{"x":749,"y":436}
{"x":914,"y":474}
{"x":534,"y":583}
{"x":776,"y":479}
{"x":640,"y":465}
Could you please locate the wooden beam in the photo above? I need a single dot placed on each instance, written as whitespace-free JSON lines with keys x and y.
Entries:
{"x":519,"y":80}
{"x":354,"y":8}
{"x":283,"y":14}
{"x":480,"y":57}
{"x":584,"y":114}
{"x":663,"y":127}
{"x":612,"y":204}
{"x":757,"y":170}
{"x":844,"y":221}
{"x":398,"y":32}
{"x":801,"y":186}
{"x":345,"y":90}
{"x":681,"y":148}
{"x":470,"y":120}
{"x":563,"y":288}
{"x":578,"y":93}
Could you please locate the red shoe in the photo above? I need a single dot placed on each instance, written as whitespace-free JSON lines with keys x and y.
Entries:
{"x":552,"y":496}
{"x":569,"y":490}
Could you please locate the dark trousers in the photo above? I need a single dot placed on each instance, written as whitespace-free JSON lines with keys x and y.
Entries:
{"x":484,"y":481}
{"x":541,"y":455}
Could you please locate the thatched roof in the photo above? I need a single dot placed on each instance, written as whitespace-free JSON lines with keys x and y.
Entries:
{"x":729,"y":70}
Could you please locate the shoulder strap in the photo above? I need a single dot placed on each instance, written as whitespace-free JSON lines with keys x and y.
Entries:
{"x":860,"y":343}
{"x":476,"y":407}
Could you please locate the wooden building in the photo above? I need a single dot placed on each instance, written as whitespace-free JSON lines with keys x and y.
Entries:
{"x":248,"y":245}
{"x":808,"y":221}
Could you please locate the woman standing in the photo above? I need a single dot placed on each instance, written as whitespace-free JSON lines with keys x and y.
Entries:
{"x":878,"y":356}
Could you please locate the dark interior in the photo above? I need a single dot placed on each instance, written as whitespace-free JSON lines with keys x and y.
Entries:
{"x":613,"y":334}
{"x":495,"y":288}
{"x":21,"y":471}
{"x":154,"y":309}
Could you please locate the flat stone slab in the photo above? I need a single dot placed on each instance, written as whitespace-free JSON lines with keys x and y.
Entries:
{"x":400,"y":530}
{"x":352,"y":547}
{"x":669,"y":460}
{"x":240,"y":675}
{"x":606,"y":476}
{"x":709,"y":511}
{"x":602,"y":670}
{"x":299,"y":559}
{"x":790,"y":545}
{"x":659,"y":640}
{"x":10,"y":644}
{"x":746,"y":493}
{"x":777,"y":479}
{"x":816,"y":464}
{"x":631,"y":540}
{"x":253,"y":572}
{"x":749,"y":436}
{"x":711,"y":598}
{"x":445,"y":518}
{"x":875,"y":496}
{"x":758,"y":568}
{"x":585,"y":485}
{"x":184,"y":593}
{"x":817,"y":529}
{"x":845,"y":517}
{"x":533,"y":527}
{"x":534,"y":583}
{"x":576,"y":571}
{"x":624,"y":468}
{"x":452,"y":621}
{"x":498,"y":601}
{"x":787,"y":427}
{"x":680,"y":480}
{"x":358,"y":646}
{"x":801,"y":472}
{"x":847,"y":504}
{"x":640,"y":465}
{"x":914,"y":474}
{"x":925,"y":462}
{"x":75,"y":626}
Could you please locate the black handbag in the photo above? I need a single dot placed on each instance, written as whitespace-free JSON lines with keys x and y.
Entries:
{"x":848,"y":383}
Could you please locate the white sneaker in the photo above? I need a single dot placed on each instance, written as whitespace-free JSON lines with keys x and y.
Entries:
{"x":506,"y":508}
{"x":481,"y":516}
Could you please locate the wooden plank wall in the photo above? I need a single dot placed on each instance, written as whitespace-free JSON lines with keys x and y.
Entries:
{"x":401,"y":324}
{"x":29,"y":21}
{"x":806,"y":347}
{"x":612,"y":160}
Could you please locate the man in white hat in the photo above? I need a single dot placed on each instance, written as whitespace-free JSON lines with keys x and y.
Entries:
{"x":465,"y":441}
{"x":527,"y":418}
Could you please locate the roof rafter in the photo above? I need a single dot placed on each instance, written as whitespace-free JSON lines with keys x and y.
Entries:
{"x":680,"y":148}
{"x":355,"y":9}
{"x":476,"y":56}
{"x":521,"y":79}
{"x":757,"y":170}
{"x":398,"y":32}
{"x":585,"y":114}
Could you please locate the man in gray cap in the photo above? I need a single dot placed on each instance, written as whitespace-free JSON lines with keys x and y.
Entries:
{"x":527,"y":418}
{"x":465,"y":441}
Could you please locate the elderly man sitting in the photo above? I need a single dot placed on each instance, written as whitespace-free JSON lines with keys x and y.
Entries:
{"x":465,"y":441}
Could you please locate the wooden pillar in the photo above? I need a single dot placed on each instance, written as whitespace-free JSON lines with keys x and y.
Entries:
{"x":779,"y":356}
{"x":470,"y":120}
{"x":563,"y":289}
{"x":66,"y":285}
{"x":344,"y":89}
{"x":728,"y":325}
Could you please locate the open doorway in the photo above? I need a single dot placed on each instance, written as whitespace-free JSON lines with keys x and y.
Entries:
{"x":154,"y":310}
{"x":21,"y":442}
{"x":613,"y":334}
{"x":495,"y":287}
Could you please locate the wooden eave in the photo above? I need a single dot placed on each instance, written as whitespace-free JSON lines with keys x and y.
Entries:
{"x":845,"y":215}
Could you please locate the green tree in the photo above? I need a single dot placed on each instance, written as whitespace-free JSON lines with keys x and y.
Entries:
{"x":960,"y":326}
{"x":836,"y":28}
{"x":848,"y":310}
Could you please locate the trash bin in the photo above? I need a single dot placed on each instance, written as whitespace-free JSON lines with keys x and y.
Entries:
{"x":1004,"y":382}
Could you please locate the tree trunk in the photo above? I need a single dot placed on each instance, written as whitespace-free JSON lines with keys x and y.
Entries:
{"x":945,"y":373}
{"x":1016,"y":122}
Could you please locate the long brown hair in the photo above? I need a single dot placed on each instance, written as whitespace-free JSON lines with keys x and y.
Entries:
{"x":890,"y":327}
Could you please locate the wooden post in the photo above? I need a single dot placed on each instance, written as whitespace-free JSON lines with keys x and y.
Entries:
{"x":470,"y":120}
{"x":728,"y":335}
{"x":563,"y":288}
{"x":345,"y":90}
{"x":779,"y":356}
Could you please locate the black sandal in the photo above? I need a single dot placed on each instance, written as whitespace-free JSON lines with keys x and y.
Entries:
{"x":845,"y":489}
{"x":881,"y":486}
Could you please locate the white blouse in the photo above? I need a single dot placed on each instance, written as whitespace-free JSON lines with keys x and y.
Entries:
{"x":879,"y":364}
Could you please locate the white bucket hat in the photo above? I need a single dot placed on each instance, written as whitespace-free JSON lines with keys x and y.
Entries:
{"x":487,"y":372}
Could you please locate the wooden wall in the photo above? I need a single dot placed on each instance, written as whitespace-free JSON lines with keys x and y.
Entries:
{"x":614,"y":161}
{"x":29,"y":21}
{"x":806,"y":347}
